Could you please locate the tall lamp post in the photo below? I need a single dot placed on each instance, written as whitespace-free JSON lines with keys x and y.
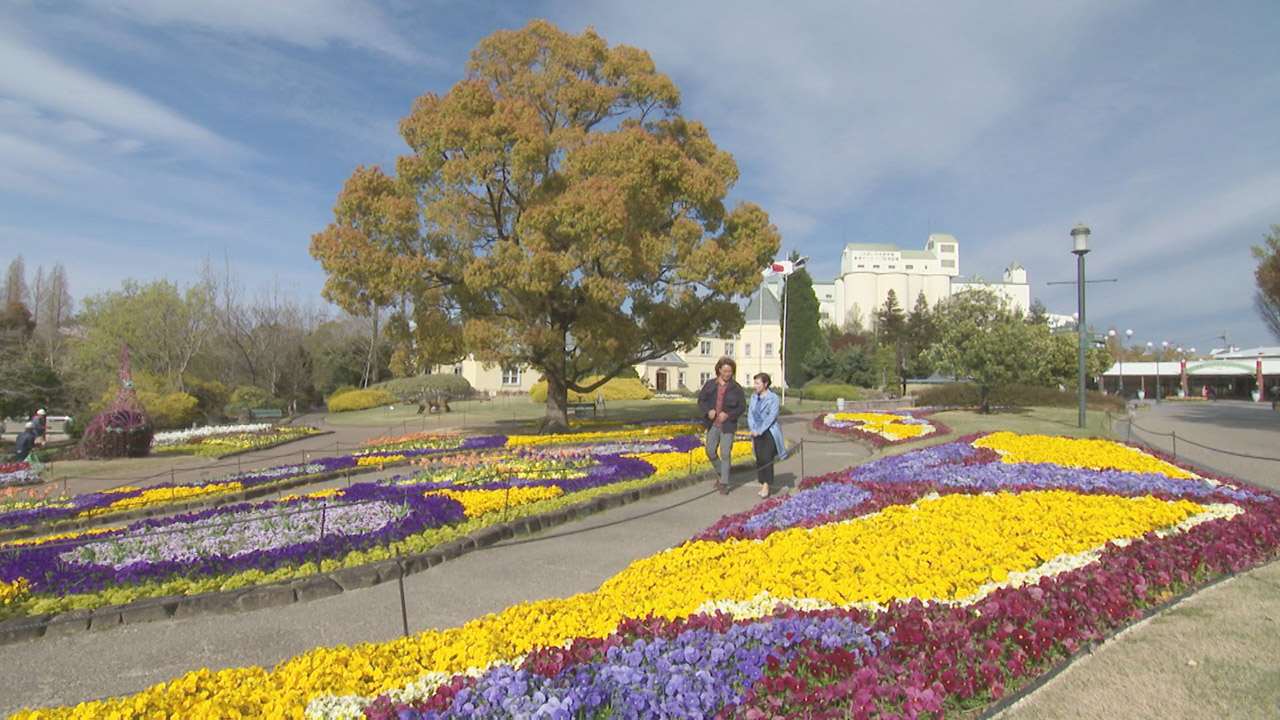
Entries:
{"x":1080,"y":237}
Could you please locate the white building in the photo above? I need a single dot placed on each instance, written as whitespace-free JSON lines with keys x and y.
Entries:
{"x":868,"y":271}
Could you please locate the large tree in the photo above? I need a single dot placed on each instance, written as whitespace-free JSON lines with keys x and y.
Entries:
{"x":165,"y":325}
{"x":1267,"y":277}
{"x":803,"y":333}
{"x":565,"y":215}
{"x":981,"y":339}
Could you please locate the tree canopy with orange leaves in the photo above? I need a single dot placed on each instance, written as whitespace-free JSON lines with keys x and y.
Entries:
{"x":556,"y":211}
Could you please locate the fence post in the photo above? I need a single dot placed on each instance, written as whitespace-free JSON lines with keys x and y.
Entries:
{"x":1175,"y":444}
{"x":404,"y":612}
{"x":324,"y":506}
{"x":801,"y":449}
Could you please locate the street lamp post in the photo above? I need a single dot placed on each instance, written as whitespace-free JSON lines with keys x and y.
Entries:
{"x":1120,"y":341}
{"x":1164,"y":348}
{"x":1080,"y":238}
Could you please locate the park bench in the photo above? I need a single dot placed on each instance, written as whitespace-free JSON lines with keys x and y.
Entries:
{"x":580,"y":408}
{"x":266,"y":414}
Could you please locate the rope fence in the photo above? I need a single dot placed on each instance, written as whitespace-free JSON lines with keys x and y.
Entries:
{"x":1173,"y":435}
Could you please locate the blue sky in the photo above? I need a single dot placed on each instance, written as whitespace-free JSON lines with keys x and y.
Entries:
{"x":138,"y":137}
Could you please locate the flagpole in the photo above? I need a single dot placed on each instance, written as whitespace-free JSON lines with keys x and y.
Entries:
{"x":782,"y":358}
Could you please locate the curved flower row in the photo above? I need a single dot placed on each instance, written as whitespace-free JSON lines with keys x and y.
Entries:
{"x":904,"y":596}
{"x":376,"y":452}
{"x":882,"y":428}
{"x":227,"y":443}
{"x":336,"y":526}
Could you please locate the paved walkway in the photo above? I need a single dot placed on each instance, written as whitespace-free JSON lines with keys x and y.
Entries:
{"x":572,"y":558}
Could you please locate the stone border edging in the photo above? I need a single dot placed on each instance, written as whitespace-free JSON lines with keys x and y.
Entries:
{"x":320,"y":585}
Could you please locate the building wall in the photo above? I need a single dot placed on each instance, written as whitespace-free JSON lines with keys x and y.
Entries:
{"x":745,"y":348}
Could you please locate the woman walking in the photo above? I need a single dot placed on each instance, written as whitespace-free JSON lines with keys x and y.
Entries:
{"x":722,"y":402}
{"x":766,"y":433}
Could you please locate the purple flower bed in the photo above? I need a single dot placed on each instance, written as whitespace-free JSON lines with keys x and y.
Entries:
{"x":255,"y":478}
{"x":696,"y":672}
{"x":959,"y":464}
{"x":62,"y":568}
{"x":264,"y":536}
{"x":810,"y":507}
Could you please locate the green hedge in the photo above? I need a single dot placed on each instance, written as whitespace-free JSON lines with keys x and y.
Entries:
{"x":829,"y":392}
{"x":1016,"y":395}
{"x":360,"y":400}
{"x":411,"y":387}
{"x":616,"y":389}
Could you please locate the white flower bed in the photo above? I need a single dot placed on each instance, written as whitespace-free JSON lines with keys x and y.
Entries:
{"x":182,"y":437}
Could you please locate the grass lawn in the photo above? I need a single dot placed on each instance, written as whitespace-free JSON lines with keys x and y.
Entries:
{"x":122,"y":467}
{"x":514,"y":411}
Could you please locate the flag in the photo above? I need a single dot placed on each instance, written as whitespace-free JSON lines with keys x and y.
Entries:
{"x":784,"y":267}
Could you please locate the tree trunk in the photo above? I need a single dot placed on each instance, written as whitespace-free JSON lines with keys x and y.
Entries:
{"x":557,"y":418}
{"x":986,"y":401}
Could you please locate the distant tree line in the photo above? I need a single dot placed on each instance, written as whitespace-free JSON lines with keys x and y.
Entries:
{"x":202,"y":351}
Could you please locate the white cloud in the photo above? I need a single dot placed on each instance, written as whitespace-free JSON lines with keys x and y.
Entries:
{"x":312,"y":24}
{"x":45,"y":82}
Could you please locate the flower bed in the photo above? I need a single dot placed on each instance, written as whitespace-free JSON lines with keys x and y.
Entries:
{"x":298,"y":535}
{"x":933,"y":582}
{"x":375,"y":453}
{"x":17,"y":474}
{"x":882,"y":428}
{"x":216,"y":440}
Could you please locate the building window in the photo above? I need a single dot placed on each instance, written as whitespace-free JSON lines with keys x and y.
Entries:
{"x":457,"y":369}
{"x":511,"y":376}
{"x":746,"y":349}
{"x":893,"y":267}
{"x":948,"y":248}
{"x":911,"y":267}
{"x":825,"y":316}
{"x":681,"y":378}
{"x":728,"y":349}
{"x":768,"y":349}
{"x":862,"y":266}
{"x":948,"y":263}
{"x":703,"y":378}
{"x":876,"y":267}
{"x":705,"y":347}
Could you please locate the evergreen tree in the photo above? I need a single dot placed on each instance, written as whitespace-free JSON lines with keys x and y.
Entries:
{"x":803,"y":333}
{"x":891,"y":334}
{"x":922,"y":333}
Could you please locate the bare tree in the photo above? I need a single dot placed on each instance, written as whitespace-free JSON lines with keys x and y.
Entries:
{"x":15,"y":284}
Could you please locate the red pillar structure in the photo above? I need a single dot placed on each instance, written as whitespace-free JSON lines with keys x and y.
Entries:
{"x":1262,"y":386}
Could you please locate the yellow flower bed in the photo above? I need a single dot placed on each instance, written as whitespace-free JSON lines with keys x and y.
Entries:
{"x":14,"y":591}
{"x":368,"y":461}
{"x":943,"y":548}
{"x":56,"y":538}
{"x":650,"y":433}
{"x":317,"y":495}
{"x":887,"y":425}
{"x":1076,"y":452}
{"x":478,"y":502}
{"x":668,"y":461}
{"x":166,"y":494}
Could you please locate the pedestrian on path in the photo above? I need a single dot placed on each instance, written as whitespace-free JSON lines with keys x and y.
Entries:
{"x":25,"y":441}
{"x":722,"y":401}
{"x":766,"y":433}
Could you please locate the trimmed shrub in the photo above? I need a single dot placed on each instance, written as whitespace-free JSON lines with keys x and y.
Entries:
{"x":360,"y":400}
{"x":1015,"y":395}
{"x":829,"y":392}
{"x":615,"y":389}
{"x":172,"y":411}
{"x":411,"y":387}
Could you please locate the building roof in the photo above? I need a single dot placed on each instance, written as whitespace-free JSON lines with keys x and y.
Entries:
{"x":772,"y":310}
{"x":878,"y":247}
{"x":669,"y":360}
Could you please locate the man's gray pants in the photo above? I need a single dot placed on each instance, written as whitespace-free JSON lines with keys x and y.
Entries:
{"x":720,"y":438}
